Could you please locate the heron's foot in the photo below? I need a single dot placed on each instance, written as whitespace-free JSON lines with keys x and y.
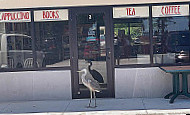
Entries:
{"x":91,"y":106}
{"x":88,"y":106}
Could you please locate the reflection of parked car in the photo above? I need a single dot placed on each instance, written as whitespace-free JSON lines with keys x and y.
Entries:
{"x":179,"y":42}
{"x":183,"y":56}
{"x":15,"y":49}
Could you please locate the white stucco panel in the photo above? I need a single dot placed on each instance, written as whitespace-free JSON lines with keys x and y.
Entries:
{"x":35,"y":85}
{"x":142,"y":82}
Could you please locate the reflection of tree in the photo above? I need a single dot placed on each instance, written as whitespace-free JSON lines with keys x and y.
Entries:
{"x":161,"y":24}
{"x":49,"y":30}
{"x":160,"y":31}
{"x":136,"y":32}
{"x":121,"y":26}
{"x":21,"y":28}
{"x":52,"y":38}
{"x":135,"y":29}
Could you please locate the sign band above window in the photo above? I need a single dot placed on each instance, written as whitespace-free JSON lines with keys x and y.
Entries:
{"x":170,"y":10}
{"x":18,"y":16}
{"x":130,"y":12}
{"x":51,"y":15}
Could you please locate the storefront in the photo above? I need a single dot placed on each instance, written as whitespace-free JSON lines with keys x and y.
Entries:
{"x":43,"y":48}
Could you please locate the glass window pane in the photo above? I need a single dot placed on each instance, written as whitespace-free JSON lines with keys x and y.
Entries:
{"x":16,"y":45}
{"x":131,"y":41}
{"x":171,"y":40}
{"x":92,"y":46}
{"x":52,"y":39}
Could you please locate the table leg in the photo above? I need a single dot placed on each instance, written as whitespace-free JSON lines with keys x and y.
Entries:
{"x":168,"y":95}
{"x":185,"y":84}
{"x":175,"y":87}
{"x":176,"y":83}
{"x":176,"y":91}
{"x":173,"y":98}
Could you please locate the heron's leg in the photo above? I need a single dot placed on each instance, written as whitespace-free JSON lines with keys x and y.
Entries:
{"x":94,"y":98}
{"x":90,"y":98}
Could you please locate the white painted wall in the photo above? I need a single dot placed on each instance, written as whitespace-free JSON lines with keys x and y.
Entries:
{"x":35,"y":85}
{"x":55,"y":85}
{"x":142,"y":82}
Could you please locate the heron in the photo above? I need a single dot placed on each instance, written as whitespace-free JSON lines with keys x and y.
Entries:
{"x":91,"y":84}
{"x":95,"y":74}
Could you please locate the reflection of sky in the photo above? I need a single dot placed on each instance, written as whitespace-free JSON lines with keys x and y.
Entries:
{"x":171,"y":23}
{"x":178,"y":24}
{"x":146,"y":25}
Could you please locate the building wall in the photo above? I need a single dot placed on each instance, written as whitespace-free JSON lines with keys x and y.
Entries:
{"x":142,"y":82}
{"x":7,"y":4}
{"x":35,"y":85}
{"x":56,"y":85}
{"x":47,"y":85}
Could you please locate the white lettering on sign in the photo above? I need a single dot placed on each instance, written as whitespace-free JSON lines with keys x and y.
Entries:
{"x":20,"y":16}
{"x":130,"y":12}
{"x":51,"y":15}
{"x":170,"y":10}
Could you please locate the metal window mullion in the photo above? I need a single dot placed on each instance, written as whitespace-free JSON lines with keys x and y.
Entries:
{"x":189,"y":16}
{"x":33,"y":39}
{"x":73,"y":52}
{"x":151,"y":34}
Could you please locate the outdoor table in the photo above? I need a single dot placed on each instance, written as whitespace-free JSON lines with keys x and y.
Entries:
{"x":176,"y":71}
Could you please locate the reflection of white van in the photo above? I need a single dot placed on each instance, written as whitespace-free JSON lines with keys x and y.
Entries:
{"x":16,"y":51}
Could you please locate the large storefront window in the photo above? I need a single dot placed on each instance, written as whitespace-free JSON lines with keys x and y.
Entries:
{"x":131,"y":36}
{"x":15,"y":40}
{"x":171,"y":37}
{"x":52,"y":38}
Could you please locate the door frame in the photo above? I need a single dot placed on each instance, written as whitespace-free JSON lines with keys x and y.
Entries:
{"x":110,"y":92}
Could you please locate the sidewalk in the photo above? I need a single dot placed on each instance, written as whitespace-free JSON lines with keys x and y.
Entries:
{"x":104,"y":107}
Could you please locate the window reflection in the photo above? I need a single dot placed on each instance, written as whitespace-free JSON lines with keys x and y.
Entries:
{"x":171,"y":40}
{"x":131,"y":41}
{"x":91,"y":43}
{"x":91,"y":36}
{"x":16,"y":45}
{"x":52,"y":38}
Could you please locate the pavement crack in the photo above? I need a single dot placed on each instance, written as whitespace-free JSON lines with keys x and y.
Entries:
{"x":67,"y":106}
{"x":4,"y":108}
{"x":144,"y":105}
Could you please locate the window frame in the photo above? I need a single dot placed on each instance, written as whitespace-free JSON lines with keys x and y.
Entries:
{"x":133,"y":65}
{"x":111,"y":15}
{"x":32,"y":30}
{"x":152,"y":64}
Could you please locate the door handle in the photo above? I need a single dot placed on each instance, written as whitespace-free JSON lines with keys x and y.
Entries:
{"x":109,"y":54}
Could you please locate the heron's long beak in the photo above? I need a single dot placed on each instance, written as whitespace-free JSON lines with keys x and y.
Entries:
{"x":79,"y":71}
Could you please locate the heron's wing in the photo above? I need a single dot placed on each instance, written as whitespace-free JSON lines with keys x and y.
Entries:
{"x":94,"y":84}
{"x":97,"y":76}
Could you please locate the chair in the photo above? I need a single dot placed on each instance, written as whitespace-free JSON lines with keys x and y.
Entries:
{"x":11,"y":62}
{"x":28,"y":63}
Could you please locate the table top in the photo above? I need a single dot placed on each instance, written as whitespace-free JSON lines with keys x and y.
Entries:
{"x":176,"y":69}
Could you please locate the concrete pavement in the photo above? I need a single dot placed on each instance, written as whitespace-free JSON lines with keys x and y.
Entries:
{"x":104,"y":107}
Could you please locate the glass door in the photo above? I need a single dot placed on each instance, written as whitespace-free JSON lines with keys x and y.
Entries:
{"x":92,"y":51}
